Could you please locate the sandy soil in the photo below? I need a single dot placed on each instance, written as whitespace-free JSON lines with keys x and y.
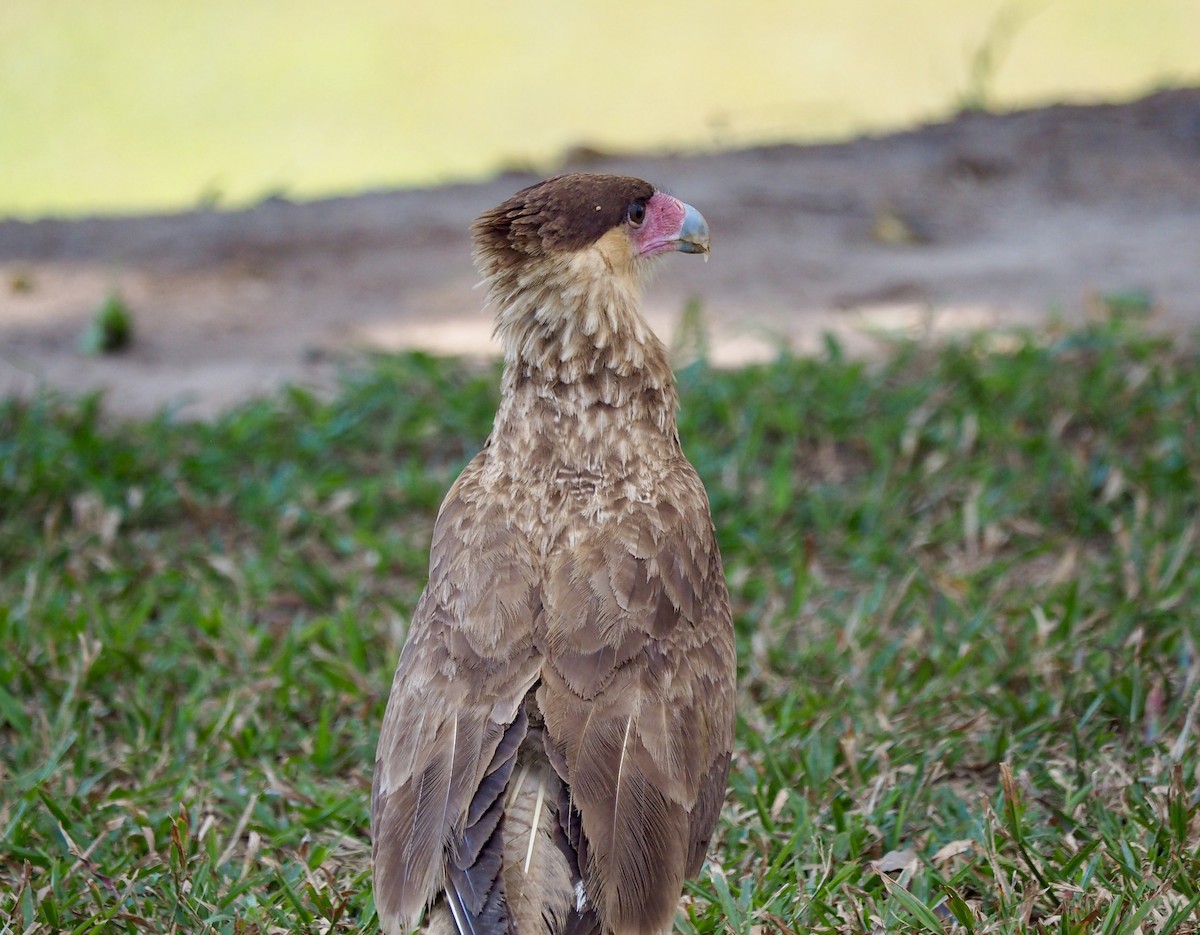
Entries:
{"x":989,"y":221}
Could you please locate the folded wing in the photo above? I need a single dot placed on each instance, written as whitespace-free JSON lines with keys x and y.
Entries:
{"x":637,"y":694}
{"x":454,"y":722}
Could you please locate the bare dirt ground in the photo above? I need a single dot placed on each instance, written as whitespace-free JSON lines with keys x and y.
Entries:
{"x":985,"y":222}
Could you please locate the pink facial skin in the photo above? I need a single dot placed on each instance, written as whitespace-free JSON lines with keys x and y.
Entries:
{"x":669,"y":225}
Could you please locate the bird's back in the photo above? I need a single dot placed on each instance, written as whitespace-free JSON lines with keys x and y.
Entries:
{"x":554,"y":752}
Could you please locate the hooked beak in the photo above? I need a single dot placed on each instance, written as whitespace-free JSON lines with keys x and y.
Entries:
{"x":671,"y":226}
{"x":693,"y":232}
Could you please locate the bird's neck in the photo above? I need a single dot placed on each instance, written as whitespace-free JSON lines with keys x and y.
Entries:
{"x":580,"y":361}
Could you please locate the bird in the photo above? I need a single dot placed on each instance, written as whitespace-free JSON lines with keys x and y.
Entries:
{"x":554,"y":752}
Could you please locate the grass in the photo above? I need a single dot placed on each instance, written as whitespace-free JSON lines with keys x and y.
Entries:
{"x":965,"y":585}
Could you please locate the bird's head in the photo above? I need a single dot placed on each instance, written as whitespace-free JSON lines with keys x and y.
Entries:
{"x":617,"y":221}
{"x":564,"y":261}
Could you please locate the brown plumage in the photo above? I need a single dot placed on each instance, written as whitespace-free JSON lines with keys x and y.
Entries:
{"x":554,"y":752}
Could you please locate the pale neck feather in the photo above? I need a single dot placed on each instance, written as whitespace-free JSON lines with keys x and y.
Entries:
{"x":576,"y":347}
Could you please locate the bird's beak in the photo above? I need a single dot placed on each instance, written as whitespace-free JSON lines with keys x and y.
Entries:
{"x":671,"y":226}
{"x":693,"y":232}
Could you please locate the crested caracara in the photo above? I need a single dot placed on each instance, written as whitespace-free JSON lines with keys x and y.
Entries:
{"x":554,"y":753}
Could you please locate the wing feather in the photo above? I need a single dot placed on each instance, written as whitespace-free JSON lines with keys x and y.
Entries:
{"x":637,"y":694}
{"x":448,"y":743}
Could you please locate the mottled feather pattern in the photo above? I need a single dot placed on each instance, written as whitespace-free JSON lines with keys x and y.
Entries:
{"x":651,"y":695}
{"x":554,"y":753}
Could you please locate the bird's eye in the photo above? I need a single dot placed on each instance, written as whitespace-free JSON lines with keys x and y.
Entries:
{"x":636,"y":213}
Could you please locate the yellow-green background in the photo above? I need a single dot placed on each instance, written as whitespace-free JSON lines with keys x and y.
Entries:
{"x":151,"y":104}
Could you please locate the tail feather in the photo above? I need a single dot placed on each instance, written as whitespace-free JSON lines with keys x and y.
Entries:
{"x":499,"y":770}
{"x":491,"y":919}
{"x":536,"y":874}
{"x":475,"y":890}
{"x":570,"y":841}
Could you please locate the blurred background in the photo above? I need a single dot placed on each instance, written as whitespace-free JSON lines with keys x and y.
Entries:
{"x":254,"y":192}
{"x":140,"y":105}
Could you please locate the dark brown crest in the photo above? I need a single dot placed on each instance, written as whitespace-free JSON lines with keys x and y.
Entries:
{"x":567,"y":212}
